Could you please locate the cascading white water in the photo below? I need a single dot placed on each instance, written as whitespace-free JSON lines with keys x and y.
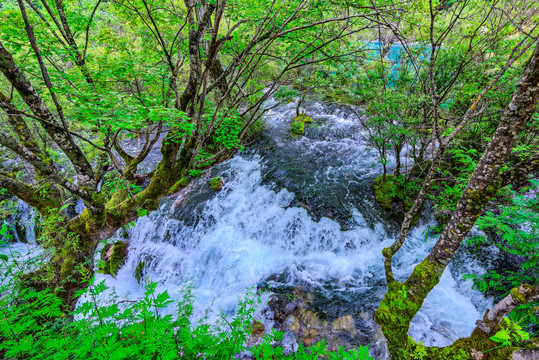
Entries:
{"x":258,"y":229}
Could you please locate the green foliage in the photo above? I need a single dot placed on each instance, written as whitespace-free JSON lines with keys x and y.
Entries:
{"x":510,"y":334}
{"x":230,"y":127}
{"x":395,"y":189}
{"x":514,"y":230}
{"x":396,"y":307}
{"x":419,"y":351}
{"x":33,"y":326}
{"x":286,"y":94}
{"x":194,"y":173}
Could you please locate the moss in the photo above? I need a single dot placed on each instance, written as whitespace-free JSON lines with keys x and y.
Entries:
{"x":103,"y":267}
{"x":183,"y":182}
{"x":303,"y":118}
{"x":67,"y":268}
{"x":152,"y":204}
{"x":461,"y":348}
{"x":517,"y":295}
{"x":113,"y":257}
{"x":385,"y":190}
{"x":139,"y":271}
{"x":298,"y":124}
{"x":477,"y":199}
{"x":425,"y":276}
{"x":119,"y":256}
{"x":216,"y":183}
{"x":399,"y":307}
{"x":297,"y":128}
{"x":529,"y":293}
{"x":397,"y":194}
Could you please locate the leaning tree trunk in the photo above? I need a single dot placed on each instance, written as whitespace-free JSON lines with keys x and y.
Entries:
{"x":403,"y":300}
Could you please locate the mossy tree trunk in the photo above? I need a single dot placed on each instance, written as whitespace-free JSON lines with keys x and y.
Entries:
{"x":404,"y":299}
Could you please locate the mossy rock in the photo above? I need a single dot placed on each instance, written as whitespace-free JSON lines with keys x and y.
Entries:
{"x":394,"y":196}
{"x":303,"y":118}
{"x":113,"y":257}
{"x":385,"y":190}
{"x":297,"y":128}
{"x":216,"y":183}
{"x":139,"y":271}
{"x":298,"y":124}
{"x":183,"y":182}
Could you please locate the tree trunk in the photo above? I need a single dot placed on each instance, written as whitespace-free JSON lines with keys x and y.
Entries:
{"x":398,"y":149}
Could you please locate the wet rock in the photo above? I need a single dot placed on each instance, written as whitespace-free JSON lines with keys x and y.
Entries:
{"x":344,"y":324}
{"x":307,"y":316}
{"x":113,"y":257}
{"x":216,"y":183}
{"x":304,"y":322}
{"x":139,"y":271}
{"x":288,"y":343}
{"x":526,"y":354}
{"x":257,"y":331}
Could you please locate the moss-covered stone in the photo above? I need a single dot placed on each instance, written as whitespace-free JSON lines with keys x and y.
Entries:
{"x":298,"y":128}
{"x":298,"y":124}
{"x":216,"y":183}
{"x":113,"y":257}
{"x":183,"y":182}
{"x":395,"y":194}
{"x":385,"y":190}
{"x":139,"y":271}
{"x":304,"y":118}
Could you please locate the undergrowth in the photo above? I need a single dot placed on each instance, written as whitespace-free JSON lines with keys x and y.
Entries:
{"x":33,"y":326}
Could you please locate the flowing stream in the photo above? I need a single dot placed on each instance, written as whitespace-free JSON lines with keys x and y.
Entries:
{"x":296,"y":212}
